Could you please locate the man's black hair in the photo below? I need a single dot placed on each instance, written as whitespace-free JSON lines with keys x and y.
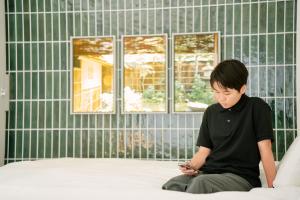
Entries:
{"x":231,"y":74}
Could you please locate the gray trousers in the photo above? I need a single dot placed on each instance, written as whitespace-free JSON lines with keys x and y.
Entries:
{"x":207,"y":183}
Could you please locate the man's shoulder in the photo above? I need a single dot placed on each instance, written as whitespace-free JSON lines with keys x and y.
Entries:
{"x":213,"y":108}
{"x":258,"y":102}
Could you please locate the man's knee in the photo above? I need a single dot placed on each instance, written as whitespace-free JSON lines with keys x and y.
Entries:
{"x":200,"y":185}
{"x":177,"y":183}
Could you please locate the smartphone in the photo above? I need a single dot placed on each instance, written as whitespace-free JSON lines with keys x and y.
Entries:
{"x":185,"y":165}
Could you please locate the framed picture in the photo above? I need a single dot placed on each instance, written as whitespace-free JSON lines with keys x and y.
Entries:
{"x":194,"y":58}
{"x":144,"y":73}
{"x":93,"y":74}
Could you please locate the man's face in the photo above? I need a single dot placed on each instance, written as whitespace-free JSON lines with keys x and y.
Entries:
{"x":227,"y":97}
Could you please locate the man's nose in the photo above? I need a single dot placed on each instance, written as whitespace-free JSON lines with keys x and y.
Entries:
{"x":222,"y":98}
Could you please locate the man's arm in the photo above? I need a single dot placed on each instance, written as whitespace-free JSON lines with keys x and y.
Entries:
{"x":199,"y":158}
{"x":267,"y":158}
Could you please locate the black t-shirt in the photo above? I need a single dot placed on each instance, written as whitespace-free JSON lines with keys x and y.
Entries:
{"x":232,"y":135}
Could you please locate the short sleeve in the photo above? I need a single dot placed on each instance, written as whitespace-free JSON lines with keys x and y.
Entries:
{"x":204,"y":136}
{"x":263,"y":121}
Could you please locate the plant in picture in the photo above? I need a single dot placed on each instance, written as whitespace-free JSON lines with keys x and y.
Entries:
{"x":150,"y":95}
{"x":180,"y":94}
{"x":200,"y":91}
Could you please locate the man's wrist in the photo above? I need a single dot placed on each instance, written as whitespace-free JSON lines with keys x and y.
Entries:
{"x":192,"y":166}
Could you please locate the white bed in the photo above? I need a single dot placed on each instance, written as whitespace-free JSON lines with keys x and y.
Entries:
{"x":111,"y":179}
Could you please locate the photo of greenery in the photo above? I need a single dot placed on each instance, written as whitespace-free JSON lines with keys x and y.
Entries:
{"x":144,"y":73}
{"x":194,"y":58}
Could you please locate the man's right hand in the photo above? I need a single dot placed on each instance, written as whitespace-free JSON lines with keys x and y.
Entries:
{"x":187,"y":170}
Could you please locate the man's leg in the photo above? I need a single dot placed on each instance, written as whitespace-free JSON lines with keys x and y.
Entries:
{"x":178,"y":183}
{"x":210,"y":183}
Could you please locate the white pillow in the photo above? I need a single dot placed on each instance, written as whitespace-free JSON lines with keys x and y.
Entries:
{"x":262,"y":175}
{"x":288,"y":173}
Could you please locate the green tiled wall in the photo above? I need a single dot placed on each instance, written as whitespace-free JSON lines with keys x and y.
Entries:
{"x":260,"y":33}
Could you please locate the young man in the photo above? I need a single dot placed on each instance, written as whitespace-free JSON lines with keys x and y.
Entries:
{"x":235,"y":134}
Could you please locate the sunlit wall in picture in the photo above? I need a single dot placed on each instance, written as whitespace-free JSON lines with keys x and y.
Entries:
{"x":93,"y":75}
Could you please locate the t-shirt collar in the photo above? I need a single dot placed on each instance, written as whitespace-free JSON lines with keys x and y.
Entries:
{"x":237,"y":107}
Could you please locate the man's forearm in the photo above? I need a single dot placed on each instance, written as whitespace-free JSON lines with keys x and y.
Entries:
{"x":267,"y":158}
{"x":199,"y":158}
{"x":269,"y":168}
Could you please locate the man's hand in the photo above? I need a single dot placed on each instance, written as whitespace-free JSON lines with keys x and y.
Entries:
{"x":191,"y":168}
{"x":187,"y":169}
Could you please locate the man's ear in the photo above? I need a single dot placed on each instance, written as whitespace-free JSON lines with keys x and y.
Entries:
{"x":243,"y":89}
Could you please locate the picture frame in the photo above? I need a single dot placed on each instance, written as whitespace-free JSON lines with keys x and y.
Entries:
{"x":194,"y":56}
{"x":93,"y":75}
{"x":144,"y":74}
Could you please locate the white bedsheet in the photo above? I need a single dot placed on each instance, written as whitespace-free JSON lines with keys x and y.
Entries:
{"x":109,"y":179}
